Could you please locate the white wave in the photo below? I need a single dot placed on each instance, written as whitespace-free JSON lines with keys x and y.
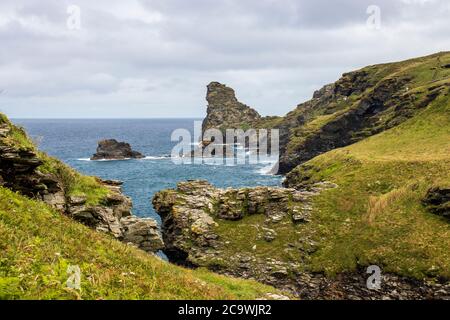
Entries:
{"x":103,"y":160}
{"x":156,"y":158}
{"x":267,"y":170}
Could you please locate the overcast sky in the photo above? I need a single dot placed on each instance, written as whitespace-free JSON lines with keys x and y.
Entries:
{"x":154,"y":58}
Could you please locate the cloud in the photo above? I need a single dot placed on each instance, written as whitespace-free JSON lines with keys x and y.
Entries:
{"x":153,"y":58}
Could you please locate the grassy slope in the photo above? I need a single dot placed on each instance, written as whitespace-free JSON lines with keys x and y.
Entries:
{"x":38,"y":244}
{"x":376,"y":215}
{"x":17,"y":137}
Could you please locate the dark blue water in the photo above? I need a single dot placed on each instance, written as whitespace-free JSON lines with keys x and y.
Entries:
{"x":74,"y":141}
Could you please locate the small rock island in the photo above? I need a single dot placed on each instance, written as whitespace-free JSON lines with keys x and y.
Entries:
{"x":111,"y":149}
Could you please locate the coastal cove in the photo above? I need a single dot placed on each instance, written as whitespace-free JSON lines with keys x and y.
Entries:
{"x":365,"y":165}
{"x":74,"y":141}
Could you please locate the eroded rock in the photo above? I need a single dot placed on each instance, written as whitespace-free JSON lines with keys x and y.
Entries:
{"x":225,"y":111}
{"x":143,"y":233}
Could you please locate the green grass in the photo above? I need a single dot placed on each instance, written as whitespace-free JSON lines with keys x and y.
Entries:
{"x":376,"y":215}
{"x":38,"y":244}
{"x":425,"y":137}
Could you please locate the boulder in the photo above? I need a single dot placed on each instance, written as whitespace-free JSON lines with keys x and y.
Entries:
{"x":111,"y":149}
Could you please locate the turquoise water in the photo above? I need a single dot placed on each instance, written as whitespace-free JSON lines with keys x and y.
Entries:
{"x":74,"y":142}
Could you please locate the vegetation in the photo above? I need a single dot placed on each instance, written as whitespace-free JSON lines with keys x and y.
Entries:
{"x":38,"y":245}
{"x":374,"y":216}
{"x":17,"y":137}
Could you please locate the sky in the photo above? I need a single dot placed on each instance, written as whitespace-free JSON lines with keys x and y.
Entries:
{"x":154,"y":58}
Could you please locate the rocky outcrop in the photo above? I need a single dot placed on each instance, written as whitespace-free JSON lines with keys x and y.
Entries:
{"x":437,"y":200}
{"x":195,"y":214}
{"x":225,"y":111}
{"x":352,"y":109}
{"x":111,"y":149}
{"x":114,"y":216}
{"x":19,"y":171}
{"x":144,"y":233}
{"x":261,"y":233}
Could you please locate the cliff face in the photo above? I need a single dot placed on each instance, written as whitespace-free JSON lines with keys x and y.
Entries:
{"x":103,"y":207}
{"x":225,"y":111}
{"x":356,"y":107}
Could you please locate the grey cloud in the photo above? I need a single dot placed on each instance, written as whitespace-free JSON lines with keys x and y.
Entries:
{"x":155,"y":57}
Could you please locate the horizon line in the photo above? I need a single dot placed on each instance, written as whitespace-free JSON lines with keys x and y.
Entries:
{"x":133,"y":118}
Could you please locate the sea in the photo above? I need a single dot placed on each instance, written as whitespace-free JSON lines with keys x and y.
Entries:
{"x":74,"y":141}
